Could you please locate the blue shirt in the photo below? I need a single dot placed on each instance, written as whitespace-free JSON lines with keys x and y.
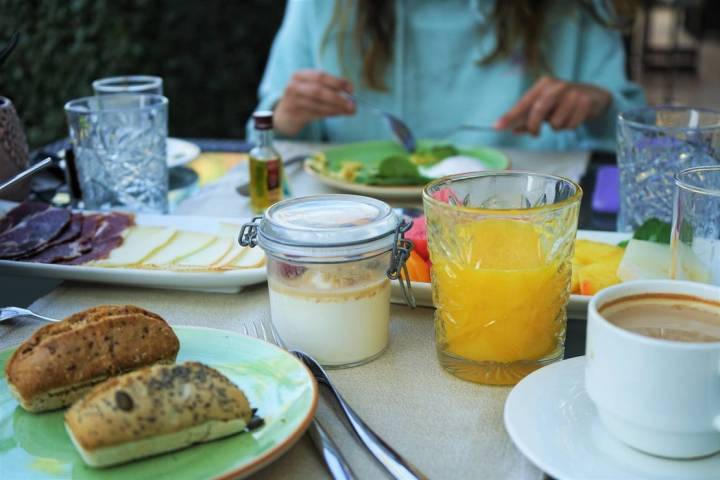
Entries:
{"x":435,"y":82}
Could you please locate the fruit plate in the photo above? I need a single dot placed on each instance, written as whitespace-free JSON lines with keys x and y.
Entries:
{"x":373,"y":152}
{"x":275,"y":382}
{"x":577,"y":306}
{"x":230,"y":281}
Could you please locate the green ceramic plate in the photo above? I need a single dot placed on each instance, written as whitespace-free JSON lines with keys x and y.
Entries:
{"x":372,"y":153}
{"x":275,"y":382}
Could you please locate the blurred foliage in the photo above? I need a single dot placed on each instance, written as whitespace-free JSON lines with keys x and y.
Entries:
{"x":210,"y":54}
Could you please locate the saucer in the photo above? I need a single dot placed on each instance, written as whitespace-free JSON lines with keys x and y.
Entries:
{"x":554,"y":423}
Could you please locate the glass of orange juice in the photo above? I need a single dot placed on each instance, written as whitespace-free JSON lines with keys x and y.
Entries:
{"x":501,"y":244}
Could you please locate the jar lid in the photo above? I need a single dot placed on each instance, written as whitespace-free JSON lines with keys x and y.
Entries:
{"x":328,"y":227}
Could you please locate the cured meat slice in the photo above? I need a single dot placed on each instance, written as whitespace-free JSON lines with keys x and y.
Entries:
{"x":19,"y":213}
{"x":99,"y":251}
{"x":105,"y":233}
{"x":69,"y":244}
{"x":71,"y":231}
{"x":113,"y":224}
{"x":33,"y":232}
{"x":60,"y":253}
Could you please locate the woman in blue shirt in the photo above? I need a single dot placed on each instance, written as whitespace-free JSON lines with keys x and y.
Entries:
{"x":546,"y":74}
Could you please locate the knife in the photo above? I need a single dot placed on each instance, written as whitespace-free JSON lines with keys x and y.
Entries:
{"x":392,"y":461}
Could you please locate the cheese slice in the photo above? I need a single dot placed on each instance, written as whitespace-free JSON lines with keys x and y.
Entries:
{"x":139,"y":243}
{"x":229,"y":230}
{"x":208,"y":256}
{"x":184,"y":244}
{"x":233,"y":254}
{"x":250,"y":258}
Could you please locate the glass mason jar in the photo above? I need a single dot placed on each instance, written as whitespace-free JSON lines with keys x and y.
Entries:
{"x":501,"y":246}
{"x":329,"y":260}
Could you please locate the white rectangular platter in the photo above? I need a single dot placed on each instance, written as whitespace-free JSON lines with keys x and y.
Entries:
{"x":231,"y":281}
{"x":577,"y":306}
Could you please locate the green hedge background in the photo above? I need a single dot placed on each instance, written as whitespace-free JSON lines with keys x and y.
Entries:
{"x":210,"y":53}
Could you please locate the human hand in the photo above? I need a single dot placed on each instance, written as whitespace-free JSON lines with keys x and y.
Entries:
{"x":565,"y":105}
{"x":311,"y":94}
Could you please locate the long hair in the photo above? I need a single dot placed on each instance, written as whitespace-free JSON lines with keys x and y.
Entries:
{"x":519,"y":24}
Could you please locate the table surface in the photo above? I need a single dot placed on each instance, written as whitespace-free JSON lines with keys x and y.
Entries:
{"x":449,"y":428}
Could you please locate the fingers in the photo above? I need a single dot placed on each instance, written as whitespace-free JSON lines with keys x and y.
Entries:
{"x":516,"y":116}
{"x":561,"y":116}
{"x":325,"y":98}
{"x":323,"y":78}
{"x":563,"y":104}
{"x":581,"y":112}
{"x":545,"y":103}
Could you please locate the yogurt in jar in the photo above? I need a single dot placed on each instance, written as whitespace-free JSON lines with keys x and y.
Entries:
{"x":339,"y":327}
{"x":328,"y":262}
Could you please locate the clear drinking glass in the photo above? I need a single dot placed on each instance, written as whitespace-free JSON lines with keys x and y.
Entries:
{"x":654,"y":143}
{"x":146,"y":84}
{"x":695,"y":241}
{"x":501,"y":245}
{"x":119,"y":143}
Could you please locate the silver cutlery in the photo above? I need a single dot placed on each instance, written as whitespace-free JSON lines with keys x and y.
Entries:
{"x":399,"y":129}
{"x":244,"y":188}
{"x":7,"y":313}
{"x":334,"y":461}
{"x":44,"y":163}
{"x":392,"y":461}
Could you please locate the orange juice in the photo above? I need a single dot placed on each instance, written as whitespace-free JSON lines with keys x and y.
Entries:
{"x":500,"y":290}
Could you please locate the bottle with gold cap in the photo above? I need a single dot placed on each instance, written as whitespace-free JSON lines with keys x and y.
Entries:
{"x":266,"y":169}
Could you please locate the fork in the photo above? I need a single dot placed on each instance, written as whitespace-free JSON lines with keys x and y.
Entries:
{"x":7,"y":313}
{"x":334,"y":460}
{"x":389,"y":459}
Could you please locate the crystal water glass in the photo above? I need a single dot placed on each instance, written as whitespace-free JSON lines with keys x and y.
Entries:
{"x":695,"y":240}
{"x":654,"y":143}
{"x":120,"y":151}
{"x":146,"y":84}
{"x":501,"y":246}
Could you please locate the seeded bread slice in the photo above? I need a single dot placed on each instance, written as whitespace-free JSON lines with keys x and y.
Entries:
{"x":62,"y":361}
{"x":155,"y":410}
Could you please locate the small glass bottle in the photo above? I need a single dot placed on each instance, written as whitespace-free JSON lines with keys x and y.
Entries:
{"x":266,"y":169}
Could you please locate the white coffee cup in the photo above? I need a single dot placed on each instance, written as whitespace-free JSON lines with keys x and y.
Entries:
{"x":658,"y":396}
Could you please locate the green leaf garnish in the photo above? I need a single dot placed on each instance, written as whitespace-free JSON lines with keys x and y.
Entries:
{"x":396,"y":170}
{"x":654,"y":230}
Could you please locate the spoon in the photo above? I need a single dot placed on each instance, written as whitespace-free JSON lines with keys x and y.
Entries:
{"x":6,"y":313}
{"x":399,"y":129}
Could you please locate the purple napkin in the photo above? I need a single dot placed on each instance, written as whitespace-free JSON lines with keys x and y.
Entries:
{"x":606,"y":196}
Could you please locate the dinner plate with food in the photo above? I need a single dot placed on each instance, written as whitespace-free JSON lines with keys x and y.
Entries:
{"x":161,"y":251}
{"x":385,"y":169}
{"x":601,"y":259}
{"x":115,"y":392}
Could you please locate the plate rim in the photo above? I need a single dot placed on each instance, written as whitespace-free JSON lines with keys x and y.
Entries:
{"x":218,"y":281}
{"x":562,"y":371}
{"x":185,"y":143}
{"x":396,"y":191}
{"x":512,"y":433}
{"x":274,"y":453}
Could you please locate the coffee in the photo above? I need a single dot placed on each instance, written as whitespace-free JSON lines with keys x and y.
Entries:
{"x":681,"y":318}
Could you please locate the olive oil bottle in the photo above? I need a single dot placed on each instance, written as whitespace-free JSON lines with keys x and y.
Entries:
{"x":266,"y":168}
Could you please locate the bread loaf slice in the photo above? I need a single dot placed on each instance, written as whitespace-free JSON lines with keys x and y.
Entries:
{"x":154,"y":410}
{"x":62,"y":361}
